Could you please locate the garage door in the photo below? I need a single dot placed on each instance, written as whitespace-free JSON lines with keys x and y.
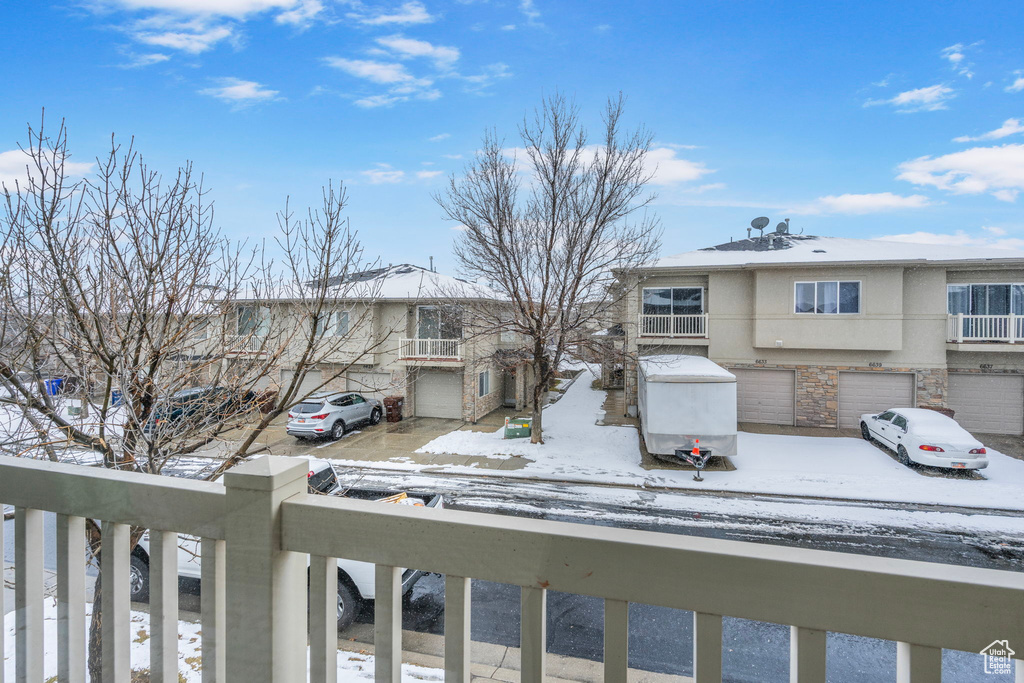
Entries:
{"x":309,"y":383}
{"x":991,"y":404}
{"x":439,"y":394}
{"x":764,"y":395}
{"x":371,"y":384}
{"x":872,"y":392}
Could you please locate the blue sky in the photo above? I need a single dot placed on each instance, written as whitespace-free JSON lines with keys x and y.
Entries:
{"x":867,"y":119}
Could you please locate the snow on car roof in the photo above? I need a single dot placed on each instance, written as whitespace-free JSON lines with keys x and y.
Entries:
{"x":813,"y":249}
{"x":682,"y":368}
{"x":934,"y":423}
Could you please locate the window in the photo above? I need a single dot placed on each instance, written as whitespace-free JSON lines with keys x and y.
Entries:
{"x":827,"y":297}
{"x":357,"y":399}
{"x":485,"y":383}
{"x":673,"y":300}
{"x":333,"y":324}
{"x":343,"y":401}
{"x":436,"y":322}
{"x":252,"y":320}
{"x":887,"y":416}
{"x":985,"y":299}
{"x":900,"y":422}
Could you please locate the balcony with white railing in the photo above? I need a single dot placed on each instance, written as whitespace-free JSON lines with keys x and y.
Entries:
{"x":430,"y":349}
{"x":245,"y":343}
{"x":260,"y":527}
{"x":1007,"y":329}
{"x":695,"y":325}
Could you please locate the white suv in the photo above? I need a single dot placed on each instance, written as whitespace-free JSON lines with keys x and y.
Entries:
{"x":330,"y":414}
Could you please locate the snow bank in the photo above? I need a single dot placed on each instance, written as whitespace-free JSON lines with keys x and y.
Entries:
{"x":579,"y":450}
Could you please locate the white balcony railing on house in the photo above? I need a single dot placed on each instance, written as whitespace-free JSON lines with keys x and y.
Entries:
{"x":985,"y":328}
{"x":430,"y":349}
{"x":246,"y":343}
{"x":674,"y":325}
{"x":260,"y":526}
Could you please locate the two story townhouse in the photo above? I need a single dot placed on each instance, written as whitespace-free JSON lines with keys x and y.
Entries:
{"x":819,"y":330}
{"x":404,"y":334}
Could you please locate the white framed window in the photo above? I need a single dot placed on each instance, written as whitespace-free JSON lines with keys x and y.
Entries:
{"x":827,"y":297}
{"x":438,"y":322}
{"x":333,"y":324}
{"x":484,"y":382}
{"x":985,"y":299}
{"x":252,"y":320}
{"x":673,"y":300}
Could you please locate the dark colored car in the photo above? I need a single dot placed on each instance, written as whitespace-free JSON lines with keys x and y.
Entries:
{"x":200,"y":407}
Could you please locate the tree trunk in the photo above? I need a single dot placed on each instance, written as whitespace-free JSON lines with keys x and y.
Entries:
{"x":540,"y":392}
{"x":94,"y":660}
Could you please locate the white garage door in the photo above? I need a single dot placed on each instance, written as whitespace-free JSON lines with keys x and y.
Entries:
{"x":371,"y":384}
{"x":987,"y":403}
{"x":764,"y":395}
{"x":438,"y":394}
{"x":309,"y":383}
{"x":872,"y":392}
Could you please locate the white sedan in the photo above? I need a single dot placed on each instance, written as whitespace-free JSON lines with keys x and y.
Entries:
{"x":925,"y":437}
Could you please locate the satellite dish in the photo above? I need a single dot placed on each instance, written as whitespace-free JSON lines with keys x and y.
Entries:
{"x":759,"y":223}
{"x":782,"y":228}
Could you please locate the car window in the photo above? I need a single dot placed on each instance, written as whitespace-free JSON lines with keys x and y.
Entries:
{"x":887,"y":416}
{"x":304,"y":408}
{"x":900,"y":421}
{"x":343,"y":401}
{"x":357,"y":399}
{"x":322,"y":481}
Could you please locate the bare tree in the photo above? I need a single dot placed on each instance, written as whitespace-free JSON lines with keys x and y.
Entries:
{"x":120,"y":287}
{"x":546,"y":225}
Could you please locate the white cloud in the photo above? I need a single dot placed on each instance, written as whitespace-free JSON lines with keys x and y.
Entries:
{"x":377,"y":72}
{"x":995,"y":170}
{"x":671,"y":170}
{"x":239,"y":92}
{"x":859,"y":204}
{"x":140,"y":61}
{"x":373,"y":101}
{"x":427,"y":175}
{"x":452,"y":156}
{"x":529,"y":11}
{"x":230,"y":8}
{"x":191,"y":36}
{"x":384,"y":174}
{"x":14,"y":169}
{"x":491,"y":74}
{"x":994,"y":230}
{"x":954,"y":54}
{"x":1009,"y":127}
{"x":438,"y":138}
{"x":302,"y":14}
{"x":1018,"y":84}
{"x":932,"y":98}
{"x":442,"y":56}
{"x":958,"y":239}
{"x":408,"y":13}
{"x":508,"y":27}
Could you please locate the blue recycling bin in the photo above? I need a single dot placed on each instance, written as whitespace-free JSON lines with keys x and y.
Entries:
{"x":116,"y":397}
{"x":53,"y":385}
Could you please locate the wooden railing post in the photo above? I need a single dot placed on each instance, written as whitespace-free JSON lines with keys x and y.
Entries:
{"x":266,"y":596}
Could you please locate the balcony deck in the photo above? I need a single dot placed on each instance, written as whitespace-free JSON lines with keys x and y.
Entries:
{"x":259,"y":527}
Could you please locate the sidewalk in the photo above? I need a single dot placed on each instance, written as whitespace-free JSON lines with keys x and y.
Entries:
{"x":491,"y":662}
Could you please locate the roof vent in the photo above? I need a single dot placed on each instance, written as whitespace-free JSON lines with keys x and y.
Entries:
{"x":819,"y":251}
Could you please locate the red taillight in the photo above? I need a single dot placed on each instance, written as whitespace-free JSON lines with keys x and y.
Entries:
{"x":290,"y":416}
{"x":309,"y":474}
{"x":978,"y":451}
{"x":322,"y":416}
{"x":931,"y":448}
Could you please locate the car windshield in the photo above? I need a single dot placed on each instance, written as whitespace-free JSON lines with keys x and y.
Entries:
{"x":306,"y":408}
{"x":322,"y":481}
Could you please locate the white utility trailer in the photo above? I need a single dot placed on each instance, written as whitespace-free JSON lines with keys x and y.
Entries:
{"x":685,"y":398}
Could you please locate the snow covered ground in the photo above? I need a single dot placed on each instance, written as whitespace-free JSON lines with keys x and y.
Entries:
{"x":577,"y":449}
{"x":352,"y":667}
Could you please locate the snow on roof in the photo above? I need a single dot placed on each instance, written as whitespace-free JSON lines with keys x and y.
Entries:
{"x":936,"y":425}
{"x":811,"y":249}
{"x":682,"y":368}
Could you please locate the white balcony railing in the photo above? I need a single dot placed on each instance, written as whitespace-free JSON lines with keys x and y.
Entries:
{"x":260,"y":525}
{"x":985,"y":328}
{"x":674,"y":325}
{"x":245,"y":343}
{"x":430,"y":349}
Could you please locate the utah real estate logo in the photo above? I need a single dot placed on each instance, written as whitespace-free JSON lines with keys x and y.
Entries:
{"x":998,"y":657}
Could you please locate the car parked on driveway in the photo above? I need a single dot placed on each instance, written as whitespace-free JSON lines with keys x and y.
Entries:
{"x":925,"y":437}
{"x":199,"y":407}
{"x":330,"y":414}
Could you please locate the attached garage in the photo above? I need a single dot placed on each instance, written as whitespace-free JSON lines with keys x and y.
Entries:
{"x":766,"y":396}
{"x":371,"y":384}
{"x":873,"y":392}
{"x":992,"y":404}
{"x":309,"y":383}
{"x":438,"y":394}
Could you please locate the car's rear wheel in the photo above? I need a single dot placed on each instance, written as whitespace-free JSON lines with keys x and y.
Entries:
{"x":138,"y":579}
{"x":864,"y":432}
{"x":338,"y":429}
{"x":903,"y":456}
{"x":348,"y":606}
{"x":375,"y":416}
